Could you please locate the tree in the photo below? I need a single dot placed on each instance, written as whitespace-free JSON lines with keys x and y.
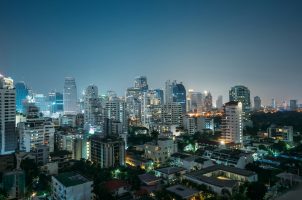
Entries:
{"x":256,"y":191}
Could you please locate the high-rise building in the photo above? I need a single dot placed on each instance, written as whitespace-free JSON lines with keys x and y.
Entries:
{"x":273,"y":103}
{"x":21,"y":94}
{"x":242,"y":94}
{"x":208,"y":101}
{"x":232,"y":127}
{"x":141,"y":83}
{"x":160,"y":95}
{"x":219,"y":102}
{"x":171,"y":114}
{"x":55,"y":101}
{"x":293,"y":105}
{"x":195,"y":100}
{"x":92,"y":107}
{"x":179,"y":95}
{"x":36,"y":131}
{"x":108,"y":151}
{"x":70,"y":96}
{"x":257,"y":103}
{"x":168,"y":91}
{"x":8,"y":137}
{"x":115,"y":109}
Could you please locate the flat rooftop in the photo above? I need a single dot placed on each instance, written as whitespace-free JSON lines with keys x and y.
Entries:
{"x":170,"y":170}
{"x":182,"y":191}
{"x":69,"y":179}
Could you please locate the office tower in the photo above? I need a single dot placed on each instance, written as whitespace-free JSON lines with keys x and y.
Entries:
{"x":133,"y":101}
{"x":219,"y":102}
{"x":55,"y":100}
{"x":208,"y":101}
{"x":160,"y":95}
{"x":257,"y":103}
{"x":232,"y":127}
{"x":168,"y":92}
{"x":8,"y":138}
{"x":70,"y":96}
{"x":179,"y":95}
{"x":21,"y":94}
{"x":141,"y":83}
{"x":196,"y":101}
{"x":115,"y":109}
{"x":36,"y":131}
{"x":242,"y":94}
{"x":92,"y":107}
{"x":273,"y":103}
{"x":41,"y":102}
{"x":293,"y":106}
{"x":108,"y":151}
{"x":171,"y":114}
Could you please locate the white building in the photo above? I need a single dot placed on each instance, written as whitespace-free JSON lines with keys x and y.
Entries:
{"x":161,"y":151}
{"x":35,"y":132}
{"x":71,"y":186}
{"x":195,"y":123}
{"x":8,"y":138}
{"x":92,"y":107}
{"x":115,"y":109}
{"x":232,"y":127}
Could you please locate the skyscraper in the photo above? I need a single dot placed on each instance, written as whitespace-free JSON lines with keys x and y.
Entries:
{"x":115,"y":109}
{"x":219,"y":102}
{"x":257,"y":103}
{"x":70,"y":96}
{"x":171,"y":114}
{"x":179,"y":95}
{"x":195,"y":101}
{"x":293,"y":106}
{"x":242,"y":94}
{"x":232,"y":127}
{"x":8,"y":138}
{"x":141,"y":83}
{"x":92,"y":107}
{"x":168,"y":92}
{"x":160,"y":95}
{"x":208,"y":101}
{"x":21,"y":94}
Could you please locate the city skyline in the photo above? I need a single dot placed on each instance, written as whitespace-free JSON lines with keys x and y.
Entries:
{"x":206,"y":45}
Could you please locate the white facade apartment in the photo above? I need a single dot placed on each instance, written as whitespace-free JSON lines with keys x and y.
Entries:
{"x":232,"y":127}
{"x":171,"y":114}
{"x":161,"y":151}
{"x":71,"y":186}
{"x":36,"y":132}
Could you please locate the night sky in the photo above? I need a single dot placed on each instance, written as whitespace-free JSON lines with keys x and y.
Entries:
{"x":208,"y":45}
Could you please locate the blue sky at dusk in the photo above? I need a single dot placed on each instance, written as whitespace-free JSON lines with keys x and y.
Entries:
{"x":208,"y":45}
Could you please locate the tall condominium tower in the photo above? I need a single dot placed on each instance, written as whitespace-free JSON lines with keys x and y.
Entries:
{"x":208,"y":101}
{"x":70,"y":96}
{"x":8,"y":138}
{"x":176,"y":92}
{"x":242,"y":94}
{"x":232,"y":127}
{"x":21,"y":94}
{"x":257,"y":103}
{"x":92,"y":106}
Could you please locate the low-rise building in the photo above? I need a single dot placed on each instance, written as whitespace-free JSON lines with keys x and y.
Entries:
{"x":190,"y":162}
{"x":284,"y":133}
{"x":228,"y":157}
{"x":183,"y":192}
{"x":170,"y":174}
{"x":117,"y":187}
{"x":13,"y":182}
{"x":161,"y":151}
{"x":221,"y":178}
{"x":71,"y":185}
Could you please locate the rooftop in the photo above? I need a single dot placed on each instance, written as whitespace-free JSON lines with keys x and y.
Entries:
{"x":182,"y":191}
{"x":69,"y":179}
{"x":115,"y":184}
{"x":170,"y":170}
{"x":148,"y":178}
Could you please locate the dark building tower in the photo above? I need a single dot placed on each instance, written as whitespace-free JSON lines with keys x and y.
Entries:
{"x":160,"y":95}
{"x":141,"y":83}
{"x":257,"y":103}
{"x":208,"y":101}
{"x":293,"y":106}
{"x":242,"y":94}
{"x":8,"y":137}
{"x":108,"y":151}
{"x":21,"y":94}
{"x":179,"y":95}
